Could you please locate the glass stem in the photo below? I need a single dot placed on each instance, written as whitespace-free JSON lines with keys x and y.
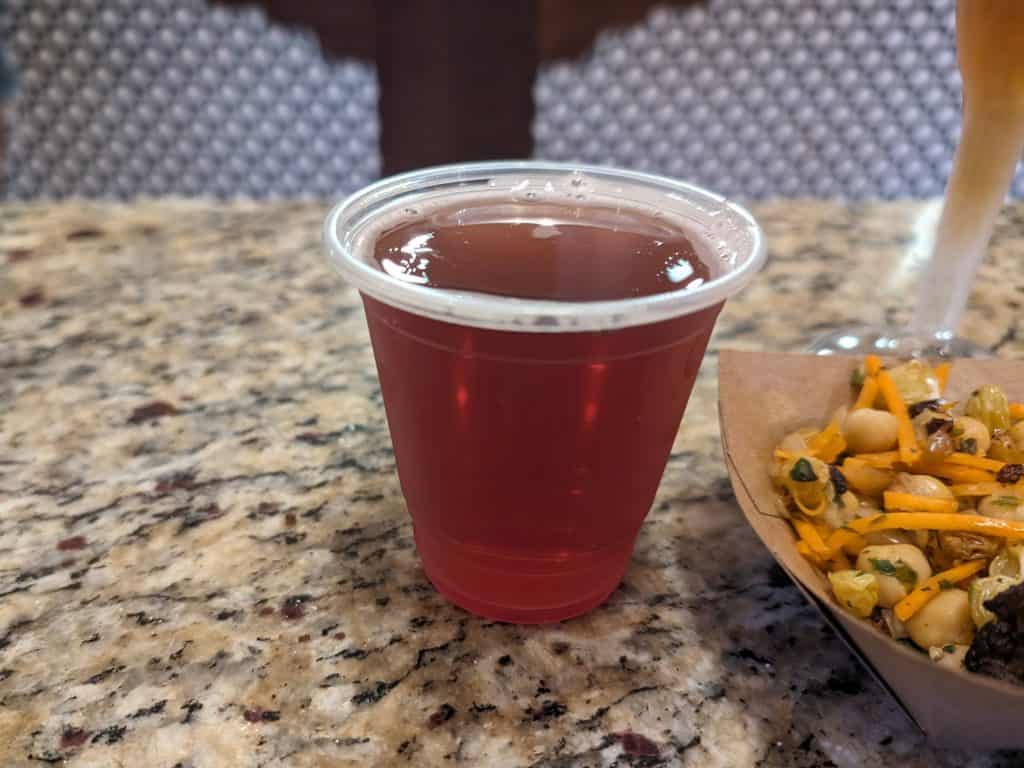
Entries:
{"x":990,"y":146}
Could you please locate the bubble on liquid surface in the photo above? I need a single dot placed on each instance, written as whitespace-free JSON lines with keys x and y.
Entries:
{"x":544,"y":231}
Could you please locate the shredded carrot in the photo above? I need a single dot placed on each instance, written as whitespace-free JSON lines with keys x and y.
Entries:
{"x":980,"y":489}
{"x":839,"y":562}
{"x":785,"y":455}
{"x":810,"y":535}
{"x":883,"y":460}
{"x":831,"y":452}
{"x":933,"y":521}
{"x":1017,"y":410}
{"x":942,"y":374}
{"x":828,"y":444}
{"x":804,"y":549}
{"x":910,"y":452}
{"x":872,"y":365}
{"x":820,"y":439}
{"x":931,"y":588}
{"x":956,"y":473}
{"x":814,"y":511}
{"x":977,"y":462}
{"x":846,"y":540}
{"x":897,"y":500}
{"x":867,"y":395}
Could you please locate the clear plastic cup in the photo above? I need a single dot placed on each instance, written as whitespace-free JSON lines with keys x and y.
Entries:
{"x":530,"y":435}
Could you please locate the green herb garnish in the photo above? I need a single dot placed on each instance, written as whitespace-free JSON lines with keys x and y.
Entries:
{"x":857,"y":377}
{"x":898,"y":570}
{"x":943,"y":584}
{"x":802,"y":472}
{"x":968,"y":445}
{"x":949,"y":648}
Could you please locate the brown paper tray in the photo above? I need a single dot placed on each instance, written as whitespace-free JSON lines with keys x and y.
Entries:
{"x":762,"y":397}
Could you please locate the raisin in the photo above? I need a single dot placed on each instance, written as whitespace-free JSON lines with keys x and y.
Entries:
{"x":917,"y":408}
{"x":838,"y":479}
{"x":1010,"y":473}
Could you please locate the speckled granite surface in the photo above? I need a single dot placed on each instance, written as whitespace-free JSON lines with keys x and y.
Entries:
{"x":204,"y":559}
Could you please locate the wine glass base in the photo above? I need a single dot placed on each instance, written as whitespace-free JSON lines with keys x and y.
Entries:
{"x":866,"y":340}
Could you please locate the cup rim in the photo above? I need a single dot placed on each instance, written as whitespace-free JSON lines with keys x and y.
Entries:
{"x":536,"y":315}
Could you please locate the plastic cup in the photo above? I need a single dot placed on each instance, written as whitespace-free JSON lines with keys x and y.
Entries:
{"x":530,"y":435}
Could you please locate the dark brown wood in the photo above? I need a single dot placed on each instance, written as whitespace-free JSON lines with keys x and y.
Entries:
{"x":343,"y":27}
{"x":456,"y":76}
{"x":455,"y":84}
{"x":567,"y":28}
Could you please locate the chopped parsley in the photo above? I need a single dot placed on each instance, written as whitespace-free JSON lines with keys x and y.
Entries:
{"x":838,"y":482}
{"x":898,"y":570}
{"x":857,"y":377}
{"x":968,"y":445}
{"x":802,"y":472}
{"x":943,"y":584}
{"x":949,"y":648}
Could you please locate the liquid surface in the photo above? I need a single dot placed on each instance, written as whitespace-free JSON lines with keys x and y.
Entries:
{"x":542,"y":252}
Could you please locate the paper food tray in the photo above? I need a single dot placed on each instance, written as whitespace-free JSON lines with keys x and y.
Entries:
{"x":764,"y":396}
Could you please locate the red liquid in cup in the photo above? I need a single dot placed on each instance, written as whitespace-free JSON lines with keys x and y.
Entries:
{"x":529,"y":460}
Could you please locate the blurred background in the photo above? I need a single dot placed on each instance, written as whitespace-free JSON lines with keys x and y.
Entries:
{"x":755,"y":98}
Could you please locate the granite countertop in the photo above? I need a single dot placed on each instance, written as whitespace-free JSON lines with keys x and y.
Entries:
{"x":205,"y":561}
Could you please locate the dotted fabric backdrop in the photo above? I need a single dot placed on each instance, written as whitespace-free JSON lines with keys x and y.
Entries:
{"x":755,"y":98}
{"x":174,"y":97}
{"x":758,"y":98}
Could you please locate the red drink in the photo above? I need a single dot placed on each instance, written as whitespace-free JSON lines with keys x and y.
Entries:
{"x":528,"y":458}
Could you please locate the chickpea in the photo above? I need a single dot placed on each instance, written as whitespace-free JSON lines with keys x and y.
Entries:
{"x":943,"y":621}
{"x":898,"y":568}
{"x":870,"y":431}
{"x":867,"y":479}
{"x":890,"y":537}
{"x":796,"y":442}
{"x":965,"y":428}
{"x":921,"y":485}
{"x":1017,"y":435}
{"x":1006,"y":506}
{"x":951,"y":659}
{"x":843,"y":509}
